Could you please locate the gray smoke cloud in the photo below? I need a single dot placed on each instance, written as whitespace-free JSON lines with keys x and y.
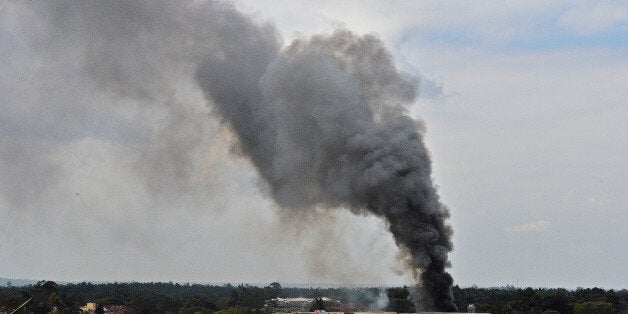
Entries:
{"x":323,"y":122}
{"x":322,"y":119}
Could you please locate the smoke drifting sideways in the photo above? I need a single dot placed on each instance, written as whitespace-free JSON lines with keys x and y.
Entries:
{"x":322,"y":119}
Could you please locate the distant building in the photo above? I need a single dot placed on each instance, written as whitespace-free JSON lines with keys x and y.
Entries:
{"x":292,"y":305}
{"x":89,"y":308}
{"x":471,"y":308}
{"x":111,"y":308}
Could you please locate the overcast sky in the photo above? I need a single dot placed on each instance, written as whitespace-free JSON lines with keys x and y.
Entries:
{"x":525,"y":104}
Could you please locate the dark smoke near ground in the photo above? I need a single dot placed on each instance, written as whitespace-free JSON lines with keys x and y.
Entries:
{"x":322,"y":119}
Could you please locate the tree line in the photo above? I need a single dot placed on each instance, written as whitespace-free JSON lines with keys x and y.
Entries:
{"x":542,"y":300}
{"x":160,"y":297}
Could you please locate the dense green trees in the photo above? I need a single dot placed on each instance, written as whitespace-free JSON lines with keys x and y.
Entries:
{"x":593,"y":308}
{"x":236,"y":310}
{"x":195,"y":304}
{"x":399,"y":300}
{"x":245,"y":299}
{"x":529,"y":300}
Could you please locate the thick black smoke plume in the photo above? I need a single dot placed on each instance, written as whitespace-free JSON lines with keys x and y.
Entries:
{"x":323,"y":121}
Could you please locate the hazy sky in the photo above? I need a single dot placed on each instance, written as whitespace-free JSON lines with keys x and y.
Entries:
{"x":525,"y":105}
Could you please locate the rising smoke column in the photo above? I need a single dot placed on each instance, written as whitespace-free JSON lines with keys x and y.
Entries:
{"x":324,"y":123}
{"x":322,"y":119}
